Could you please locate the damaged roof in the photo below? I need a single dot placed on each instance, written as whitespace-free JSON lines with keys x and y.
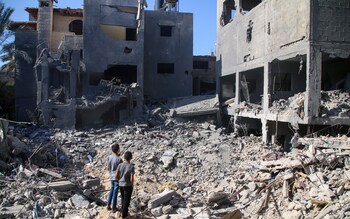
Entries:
{"x":78,"y":12}
{"x":23,"y":25}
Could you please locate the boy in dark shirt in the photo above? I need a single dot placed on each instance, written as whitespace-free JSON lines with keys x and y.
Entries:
{"x":125,"y":174}
{"x":113,"y":162}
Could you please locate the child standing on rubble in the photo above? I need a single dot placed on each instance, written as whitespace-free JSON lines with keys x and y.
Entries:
{"x":125,"y":174}
{"x":113,"y":162}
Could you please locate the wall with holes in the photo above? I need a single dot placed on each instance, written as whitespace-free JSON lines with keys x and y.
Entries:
{"x":103,"y":49}
{"x":174,"y":50}
{"x":264,"y":32}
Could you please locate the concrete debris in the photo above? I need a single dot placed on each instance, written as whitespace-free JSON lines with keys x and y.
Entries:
{"x":160,"y":198}
{"x":79,"y":201}
{"x":333,"y":103}
{"x":186,"y":169}
{"x":195,"y":105}
{"x":105,"y":91}
{"x":61,"y":186}
{"x":249,"y":107}
{"x":168,"y":158}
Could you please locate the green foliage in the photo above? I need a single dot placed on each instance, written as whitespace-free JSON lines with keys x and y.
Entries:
{"x":7,"y":54}
{"x":5,"y":14}
{"x":8,"y":51}
{"x":8,"y":57}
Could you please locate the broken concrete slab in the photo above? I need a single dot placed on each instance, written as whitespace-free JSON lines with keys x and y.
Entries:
{"x":79,"y":201}
{"x":196,"y":105}
{"x":161,"y":198}
{"x":91,"y":182}
{"x":51,"y":173}
{"x":168,"y":158}
{"x":61,"y":186}
{"x":11,"y":212}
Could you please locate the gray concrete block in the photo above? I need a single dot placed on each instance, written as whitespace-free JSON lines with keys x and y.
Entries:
{"x":161,"y":198}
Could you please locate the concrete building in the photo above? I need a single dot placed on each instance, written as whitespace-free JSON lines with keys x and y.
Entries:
{"x":277,"y":60}
{"x":95,"y":66}
{"x":168,"y":54}
{"x":204,"y":75}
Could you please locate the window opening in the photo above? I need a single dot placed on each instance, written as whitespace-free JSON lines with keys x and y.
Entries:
{"x":166,"y":68}
{"x":131,"y":34}
{"x":76,"y":27}
{"x":228,"y":12}
{"x":166,"y":31}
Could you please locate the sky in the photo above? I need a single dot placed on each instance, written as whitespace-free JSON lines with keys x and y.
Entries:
{"x":204,"y":18}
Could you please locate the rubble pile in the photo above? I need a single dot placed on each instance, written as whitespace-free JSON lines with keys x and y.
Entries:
{"x":106,"y":90}
{"x":292,"y":106}
{"x":333,"y":103}
{"x":184,"y":169}
{"x":250,"y":107}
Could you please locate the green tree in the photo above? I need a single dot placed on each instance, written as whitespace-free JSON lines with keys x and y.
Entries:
{"x":6,"y":91}
{"x":7,"y":51}
{"x":5,"y":14}
{"x":8,"y":57}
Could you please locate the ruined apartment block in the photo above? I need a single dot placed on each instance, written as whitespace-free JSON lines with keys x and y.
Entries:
{"x":204,"y":75}
{"x":284,"y":66}
{"x":95,"y":66}
{"x":168,"y":53}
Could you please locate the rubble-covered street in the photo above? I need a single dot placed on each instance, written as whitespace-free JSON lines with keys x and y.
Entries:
{"x":184,"y":169}
{"x":231,"y":109}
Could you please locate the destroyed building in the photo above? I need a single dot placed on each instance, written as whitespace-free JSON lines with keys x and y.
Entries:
{"x":97,"y":65}
{"x":284,"y":66}
{"x":204,"y":75}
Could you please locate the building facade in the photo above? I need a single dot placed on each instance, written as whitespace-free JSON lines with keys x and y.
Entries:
{"x":204,"y":75}
{"x":276,"y":62}
{"x":94,"y":66}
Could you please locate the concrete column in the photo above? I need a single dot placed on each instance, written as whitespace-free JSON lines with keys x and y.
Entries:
{"x":75,"y":63}
{"x":237,"y":99}
{"x":267,"y":85}
{"x":44,"y":26}
{"x":266,"y":101}
{"x":239,"y":8}
{"x":44,"y":23}
{"x":238,"y":88}
{"x":313,"y":83}
{"x":44,"y":78}
{"x":140,"y":67}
